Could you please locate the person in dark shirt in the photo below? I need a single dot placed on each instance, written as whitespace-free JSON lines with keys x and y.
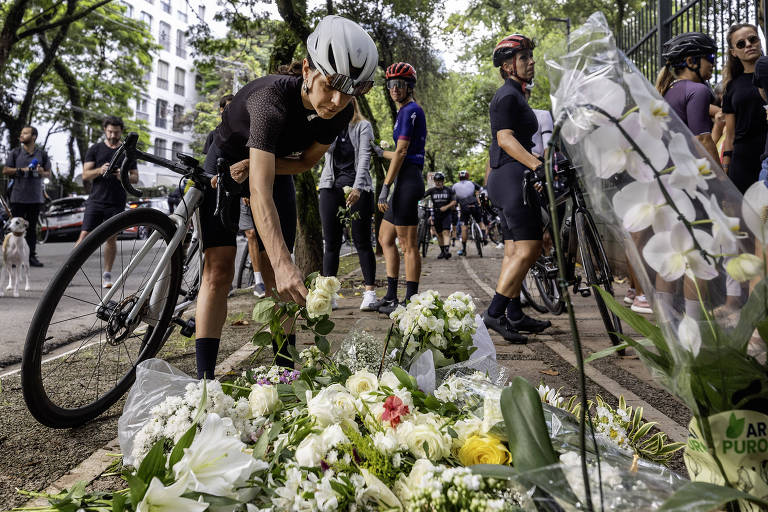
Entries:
{"x":223,"y":102}
{"x":443,"y":203}
{"x":29,"y":164}
{"x":107,"y":197}
{"x":466,"y":192}
{"x":513,"y":124}
{"x":277,"y":126}
{"x":745,"y":125}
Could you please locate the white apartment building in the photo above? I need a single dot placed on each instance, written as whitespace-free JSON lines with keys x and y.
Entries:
{"x":170,"y":89}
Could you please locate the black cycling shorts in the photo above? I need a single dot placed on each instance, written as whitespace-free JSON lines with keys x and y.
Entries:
{"x":97,"y":213}
{"x":216,"y":234}
{"x":471,"y":211}
{"x":505,"y":188}
{"x":442,"y":221}
{"x":409,"y":189}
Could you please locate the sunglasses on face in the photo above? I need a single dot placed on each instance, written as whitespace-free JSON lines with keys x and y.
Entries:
{"x":346,"y":85}
{"x":710,"y":58}
{"x":397,"y":83}
{"x":742,"y":43}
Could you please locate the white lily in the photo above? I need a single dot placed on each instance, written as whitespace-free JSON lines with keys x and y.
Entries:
{"x":673,"y":253}
{"x":754,"y":210}
{"x":690,"y":173}
{"x":160,"y":498}
{"x":689,"y":335}
{"x":216,"y":462}
{"x":642,"y":204}
{"x":380,"y":493}
{"x":725,"y":229}
{"x":653,"y":111}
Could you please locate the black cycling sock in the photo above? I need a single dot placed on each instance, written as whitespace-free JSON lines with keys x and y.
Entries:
{"x":515,"y":309}
{"x":411,"y":288}
{"x":443,"y":249}
{"x":498,"y":305}
{"x":206,"y":350}
{"x":282,"y":355}
{"x":391,"y":288}
{"x":464,"y":246}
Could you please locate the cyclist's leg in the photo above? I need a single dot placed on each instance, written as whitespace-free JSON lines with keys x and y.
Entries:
{"x":387,"y":237}
{"x":361,"y":229}
{"x":409,"y":244}
{"x":330,"y":201}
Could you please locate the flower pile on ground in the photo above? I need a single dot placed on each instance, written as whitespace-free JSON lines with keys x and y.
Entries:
{"x":430,"y":323}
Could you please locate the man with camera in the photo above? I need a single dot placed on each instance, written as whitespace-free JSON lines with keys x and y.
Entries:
{"x":107,"y":197}
{"x":28,"y":164}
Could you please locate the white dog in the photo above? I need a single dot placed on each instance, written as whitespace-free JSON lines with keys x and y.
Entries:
{"x":15,"y":256}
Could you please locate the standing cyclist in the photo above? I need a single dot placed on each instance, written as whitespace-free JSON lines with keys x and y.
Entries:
{"x":401,"y":211}
{"x":443,"y":202}
{"x":466,"y":192}
{"x":513,"y":125}
{"x":347,"y":164}
{"x":276,"y":126}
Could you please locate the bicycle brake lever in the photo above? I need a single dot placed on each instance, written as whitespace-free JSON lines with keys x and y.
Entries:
{"x":525,"y":188}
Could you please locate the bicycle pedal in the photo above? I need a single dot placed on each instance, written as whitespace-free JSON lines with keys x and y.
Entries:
{"x":105,"y":311}
{"x":585,"y":292}
{"x":187,"y":327}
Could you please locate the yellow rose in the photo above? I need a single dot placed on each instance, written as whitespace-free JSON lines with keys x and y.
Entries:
{"x":484,"y":450}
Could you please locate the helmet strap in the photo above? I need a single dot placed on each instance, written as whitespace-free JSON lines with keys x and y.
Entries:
{"x":522,"y":80}
{"x":695,"y":69}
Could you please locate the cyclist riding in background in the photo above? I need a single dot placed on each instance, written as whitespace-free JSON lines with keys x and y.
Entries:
{"x":466,"y":192}
{"x":513,"y":124}
{"x":401,"y":211}
{"x":443,"y":201}
{"x":277,"y":126}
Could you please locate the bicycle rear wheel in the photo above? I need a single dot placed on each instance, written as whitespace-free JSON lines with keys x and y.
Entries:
{"x":423,"y":237}
{"x":95,"y":349}
{"x":477,"y":235}
{"x":494,"y":233}
{"x":598,"y":271}
{"x":245,"y":276}
{"x":532,"y":294}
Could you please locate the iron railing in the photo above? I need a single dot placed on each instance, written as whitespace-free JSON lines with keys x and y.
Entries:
{"x":642,"y":35}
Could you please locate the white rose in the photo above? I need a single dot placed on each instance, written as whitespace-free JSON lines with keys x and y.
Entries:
{"x":310,"y":451}
{"x":405,"y":487}
{"x":318,"y":303}
{"x":438,"y":340}
{"x":347,"y":189}
{"x":464,"y":429}
{"x":437,"y":444}
{"x":332,"y":436}
{"x":454,"y":324}
{"x":390,"y":380}
{"x":328,"y":285}
{"x":333,"y":405}
{"x":361,"y":382}
{"x":263,"y":399}
{"x":385,"y":442}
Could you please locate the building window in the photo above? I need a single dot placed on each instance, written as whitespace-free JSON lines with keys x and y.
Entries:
{"x":147,"y":18}
{"x":178,"y":84}
{"x":166,"y":4}
{"x":161,"y":147}
{"x":128,"y":9}
{"x":182,"y":16}
{"x":164,"y":35}
{"x":181,"y":44}
{"x":161,"y":112}
{"x":178,"y":147}
{"x":162,"y":74}
{"x":147,"y":76}
{"x":141,"y":108}
{"x":178,"y":118}
{"x":201,"y":12}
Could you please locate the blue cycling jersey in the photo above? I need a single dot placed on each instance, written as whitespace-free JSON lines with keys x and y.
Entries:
{"x":411,"y":125}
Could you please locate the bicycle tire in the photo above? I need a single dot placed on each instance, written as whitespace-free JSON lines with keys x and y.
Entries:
{"x":598,"y":271}
{"x":549,"y":292}
{"x":422,"y":234}
{"x":245,"y":274}
{"x":44,"y":407}
{"x":191,"y":272}
{"x":494,"y":233}
{"x":477,"y":234}
{"x":532,"y":294}
{"x":42,"y":229}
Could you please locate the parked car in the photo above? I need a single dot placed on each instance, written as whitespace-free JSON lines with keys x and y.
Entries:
{"x":65,"y":217}
{"x":158,"y":203}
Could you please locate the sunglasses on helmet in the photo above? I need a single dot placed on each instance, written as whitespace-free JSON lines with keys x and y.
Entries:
{"x":742,"y":43}
{"x":347,"y":85}
{"x":397,"y":83}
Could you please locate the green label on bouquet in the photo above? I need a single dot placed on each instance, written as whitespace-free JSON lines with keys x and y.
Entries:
{"x":741,"y":444}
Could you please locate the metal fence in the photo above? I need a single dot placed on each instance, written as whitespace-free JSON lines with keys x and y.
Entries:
{"x":643,"y":35}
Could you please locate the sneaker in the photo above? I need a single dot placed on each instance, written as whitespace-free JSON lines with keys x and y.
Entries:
{"x":500,"y":245}
{"x":529,"y":324}
{"x":34,"y":262}
{"x":106,"y":280}
{"x":640,"y":305}
{"x":334,"y":304}
{"x":501,"y":326}
{"x":447,"y":255}
{"x":460,"y":252}
{"x":369,"y":299}
{"x":378,"y":303}
{"x":441,"y":256}
{"x":524,"y":300}
{"x":388,"y":306}
{"x":259,"y":290}
{"x":629,"y":298}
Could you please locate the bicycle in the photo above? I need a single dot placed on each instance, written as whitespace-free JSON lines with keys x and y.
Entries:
{"x":102,"y":334}
{"x":580,"y":241}
{"x":246,"y":278}
{"x":423,"y":231}
{"x":476,"y":234}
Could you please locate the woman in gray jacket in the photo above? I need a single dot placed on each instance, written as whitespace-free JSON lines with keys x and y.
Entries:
{"x":347,"y":164}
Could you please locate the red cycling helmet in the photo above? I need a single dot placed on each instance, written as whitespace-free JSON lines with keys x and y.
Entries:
{"x":401,"y":70}
{"x":509,"y":46}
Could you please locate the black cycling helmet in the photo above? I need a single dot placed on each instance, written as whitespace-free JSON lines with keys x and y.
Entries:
{"x":438,"y":176}
{"x":463,"y":174}
{"x":690,"y":44}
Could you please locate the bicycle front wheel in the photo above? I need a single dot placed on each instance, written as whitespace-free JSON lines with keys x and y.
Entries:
{"x":94,"y":348}
{"x":598,"y":271}
{"x":477,"y":234}
{"x":423,"y":237}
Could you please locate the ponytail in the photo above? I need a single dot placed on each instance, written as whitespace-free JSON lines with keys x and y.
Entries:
{"x":664,"y":80}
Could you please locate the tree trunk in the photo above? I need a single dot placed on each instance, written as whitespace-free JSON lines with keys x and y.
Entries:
{"x":377,"y":164}
{"x":308,"y":252}
{"x":77,"y":128}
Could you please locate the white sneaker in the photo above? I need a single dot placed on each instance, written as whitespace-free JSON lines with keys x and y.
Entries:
{"x":334,"y":304}
{"x":500,"y":245}
{"x":369,"y":297}
{"x":106,"y":280}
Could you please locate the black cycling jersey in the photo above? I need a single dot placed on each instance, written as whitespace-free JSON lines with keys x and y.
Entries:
{"x":440,"y":196}
{"x":510,"y":111}
{"x":344,"y":170}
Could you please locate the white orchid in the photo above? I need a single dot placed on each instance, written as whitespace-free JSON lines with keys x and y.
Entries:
{"x":653,"y":111}
{"x":673,"y":253}
{"x":725,"y":229}
{"x":744,"y":267}
{"x":690,"y":173}
{"x":652,"y":147}
{"x":689,"y":335}
{"x":160,"y":498}
{"x":216,"y":462}
{"x":642,"y":204}
{"x":754,"y":210}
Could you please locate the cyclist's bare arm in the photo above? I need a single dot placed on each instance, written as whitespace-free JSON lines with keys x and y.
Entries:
{"x":283,"y":166}
{"x":396,"y":158}
{"x":507,"y":141}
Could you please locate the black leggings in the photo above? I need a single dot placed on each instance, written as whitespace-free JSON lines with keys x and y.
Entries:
{"x":409,"y":189}
{"x":505,"y":189}
{"x":330,"y":201}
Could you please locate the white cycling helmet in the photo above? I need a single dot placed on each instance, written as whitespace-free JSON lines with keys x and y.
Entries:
{"x":344,"y":53}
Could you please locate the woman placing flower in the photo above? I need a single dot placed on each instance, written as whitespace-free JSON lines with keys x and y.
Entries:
{"x":347,"y":166}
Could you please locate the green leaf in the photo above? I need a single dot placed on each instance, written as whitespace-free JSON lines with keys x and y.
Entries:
{"x":263,"y":310}
{"x":184,"y":442}
{"x":262,"y":339}
{"x":703,"y":497}
{"x":322,"y":345}
{"x":153,"y":463}
{"x":324,"y":326}
{"x":118,"y":502}
{"x":405,"y":379}
{"x":752,"y":314}
{"x":735,"y":427}
{"x":613,"y":349}
{"x":138,"y":488}
{"x":203,"y":404}
{"x":310,"y":279}
{"x":526,"y":429}
{"x":300,"y":389}
{"x":762,"y":329}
